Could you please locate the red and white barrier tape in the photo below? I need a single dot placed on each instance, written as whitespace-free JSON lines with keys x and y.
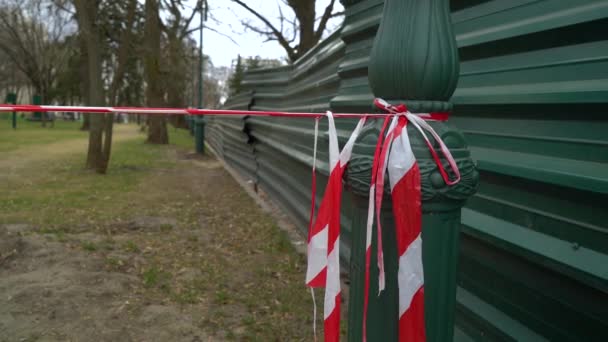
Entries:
{"x":324,"y":235}
{"x":173,"y":111}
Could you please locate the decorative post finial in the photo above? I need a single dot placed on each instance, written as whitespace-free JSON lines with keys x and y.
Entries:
{"x":414,"y":58}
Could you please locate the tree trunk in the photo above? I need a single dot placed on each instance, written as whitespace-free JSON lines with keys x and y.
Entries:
{"x":107,"y":143}
{"x":177,"y":78}
{"x":123,"y":56}
{"x":86,"y":121}
{"x":157,"y":130}
{"x":84,"y":76}
{"x":305,"y":12}
{"x":43,"y":115}
{"x":97,"y":157}
{"x":95,"y":151}
{"x":123,"y":52}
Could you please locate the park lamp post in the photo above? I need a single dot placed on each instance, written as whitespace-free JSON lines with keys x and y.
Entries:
{"x":199,"y":121}
{"x":12,"y":98}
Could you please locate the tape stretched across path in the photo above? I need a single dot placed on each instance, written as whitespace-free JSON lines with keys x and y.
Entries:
{"x":173,"y":111}
{"x":195,"y":111}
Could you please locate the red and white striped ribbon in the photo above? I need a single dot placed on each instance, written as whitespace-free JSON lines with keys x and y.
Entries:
{"x":324,"y":237}
{"x":370,"y":223}
{"x":397,"y":157}
{"x":313,"y":199}
{"x":404,"y":176}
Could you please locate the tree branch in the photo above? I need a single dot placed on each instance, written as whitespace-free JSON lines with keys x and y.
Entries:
{"x":337,"y":14}
{"x":62,"y":6}
{"x":327,"y":14}
{"x":291,"y":52}
{"x":197,"y":8}
{"x":222,"y":34}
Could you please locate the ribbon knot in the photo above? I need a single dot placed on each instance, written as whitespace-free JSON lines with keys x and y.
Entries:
{"x":419,"y":122}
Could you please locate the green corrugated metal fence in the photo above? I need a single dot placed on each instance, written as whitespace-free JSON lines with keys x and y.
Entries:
{"x":532,"y":101}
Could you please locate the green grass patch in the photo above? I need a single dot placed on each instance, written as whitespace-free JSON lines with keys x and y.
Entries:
{"x":180,"y":137}
{"x":222,"y":296}
{"x":60,"y":193}
{"x":114,"y":263}
{"x":165,"y":227}
{"x":107,"y":244}
{"x":187,"y":296}
{"x":131,"y":246}
{"x":89,"y":246}
{"x":156,"y":277}
{"x":32,"y":133}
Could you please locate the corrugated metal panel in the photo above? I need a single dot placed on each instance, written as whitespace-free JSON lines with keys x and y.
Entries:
{"x":532,"y":102}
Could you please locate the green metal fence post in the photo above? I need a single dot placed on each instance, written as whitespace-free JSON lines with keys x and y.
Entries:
{"x":12,"y":99}
{"x":199,"y":121}
{"x":414,"y":61}
{"x":37,"y":100}
{"x":199,"y":134}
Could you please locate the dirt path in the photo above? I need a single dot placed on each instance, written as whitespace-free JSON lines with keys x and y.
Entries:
{"x":189,"y":256}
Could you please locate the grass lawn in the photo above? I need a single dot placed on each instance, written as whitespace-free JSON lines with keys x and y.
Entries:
{"x":28,"y":133}
{"x":58,"y":192}
{"x":164,"y":247}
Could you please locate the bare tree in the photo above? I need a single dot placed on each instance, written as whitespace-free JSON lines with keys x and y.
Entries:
{"x":177,"y":30}
{"x":84,"y":75}
{"x":296,"y":34}
{"x":157,"y":124}
{"x":12,"y":80}
{"x":90,"y":33}
{"x":178,"y":55}
{"x":125,"y":47}
{"x":125,"y":40}
{"x":33,"y":37}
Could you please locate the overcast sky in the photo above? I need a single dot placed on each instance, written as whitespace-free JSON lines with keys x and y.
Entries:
{"x":228,"y":17}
